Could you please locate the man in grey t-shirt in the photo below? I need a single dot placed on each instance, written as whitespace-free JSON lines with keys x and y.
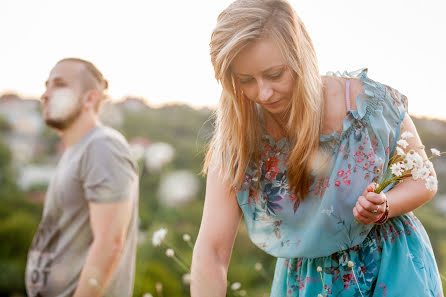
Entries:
{"x":86,"y":241}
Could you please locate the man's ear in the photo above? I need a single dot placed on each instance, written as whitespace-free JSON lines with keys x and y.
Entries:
{"x":92,"y":99}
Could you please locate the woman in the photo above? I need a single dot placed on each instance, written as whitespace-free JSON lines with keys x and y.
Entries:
{"x":298,"y":155}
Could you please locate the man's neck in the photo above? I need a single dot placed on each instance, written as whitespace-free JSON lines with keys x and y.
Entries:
{"x":78,"y":130}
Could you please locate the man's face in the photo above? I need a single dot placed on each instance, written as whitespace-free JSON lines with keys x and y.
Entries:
{"x":64,"y":95}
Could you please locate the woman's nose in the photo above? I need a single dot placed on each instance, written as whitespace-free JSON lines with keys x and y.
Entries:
{"x":264,"y":91}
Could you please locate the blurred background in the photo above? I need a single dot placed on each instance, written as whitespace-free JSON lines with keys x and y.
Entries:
{"x":163,"y":93}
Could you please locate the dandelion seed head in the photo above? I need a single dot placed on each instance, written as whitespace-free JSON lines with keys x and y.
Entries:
{"x":147,"y":295}
{"x":186,"y":237}
{"x":170,"y":253}
{"x":159,"y":236}
{"x":350,"y":264}
{"x":242,"y":293}
{"x":258,"y":266}
{"x":187,"y":278}
{"x":319,"y":269}
{"x":235,"y":286}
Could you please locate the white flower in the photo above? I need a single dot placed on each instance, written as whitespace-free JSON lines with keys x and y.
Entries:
{"x":431,"y":183}
{"x":421,"y":172}
{"x":170,"y":253}
{"x":403,"y":143}
{"x":236,"y":286}
{"x":147,"y":295}
{"x":319,"y":295}
{"x":159,"y":236}
{"x":350,"y":264}
{"x":397,"y":169}
{"x":319,"y":269}
{"x":413,"y":159}
{"x":186,"y":278}
{"x":406,"y":135}
{"x":258,"y":266}
{"x":435,"y":152}
{"x":186,"y":237}
{"x":429,"y":166}
{"x":400,"y":151}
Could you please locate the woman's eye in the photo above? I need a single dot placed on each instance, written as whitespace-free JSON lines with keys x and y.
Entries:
{"x":276,"y":75}
{"x":245,"y":80}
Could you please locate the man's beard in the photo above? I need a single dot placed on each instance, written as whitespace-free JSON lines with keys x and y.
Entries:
{"x":63,"y":109}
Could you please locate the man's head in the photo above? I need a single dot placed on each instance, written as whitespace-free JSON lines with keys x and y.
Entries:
{"x":74,"y":87}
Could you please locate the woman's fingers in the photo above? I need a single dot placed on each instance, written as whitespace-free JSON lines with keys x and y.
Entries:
{"x":363,"y":211}
{"x":369,"y":188}
{"x":376,"y":198}
{"x":360,"y":218}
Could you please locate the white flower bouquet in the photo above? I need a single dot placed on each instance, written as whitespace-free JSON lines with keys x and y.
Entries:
{"x":408,"y":164}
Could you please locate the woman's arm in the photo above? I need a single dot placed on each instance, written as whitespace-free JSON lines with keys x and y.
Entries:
{"x":404,"y":197}
{"x":219,"y":224}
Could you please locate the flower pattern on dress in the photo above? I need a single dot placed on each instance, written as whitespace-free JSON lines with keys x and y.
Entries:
{"x":319,"y":231}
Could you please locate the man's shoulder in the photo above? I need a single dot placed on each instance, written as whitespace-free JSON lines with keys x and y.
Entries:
{"x":104,"y":135}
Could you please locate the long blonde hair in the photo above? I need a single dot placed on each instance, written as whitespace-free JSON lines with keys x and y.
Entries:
{"x":237,"y":135}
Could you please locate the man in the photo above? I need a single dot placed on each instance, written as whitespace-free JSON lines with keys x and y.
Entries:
{"x":86,"y":242}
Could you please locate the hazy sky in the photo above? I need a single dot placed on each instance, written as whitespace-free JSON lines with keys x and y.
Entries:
{"x":159,"y":50}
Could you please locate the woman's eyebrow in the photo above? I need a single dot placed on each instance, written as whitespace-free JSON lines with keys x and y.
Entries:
{"x":263,"y":71}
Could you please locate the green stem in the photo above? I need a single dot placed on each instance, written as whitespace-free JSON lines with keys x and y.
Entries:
{"x":179,"y":262}
{"x":323,"y":285}
{"x":357,"y":284}
{"x":190,"y":245}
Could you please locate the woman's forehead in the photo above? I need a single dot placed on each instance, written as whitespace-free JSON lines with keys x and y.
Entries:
{"x":258,"y":57}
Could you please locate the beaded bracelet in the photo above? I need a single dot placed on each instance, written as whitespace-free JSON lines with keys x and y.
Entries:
{"x":384,"y":217}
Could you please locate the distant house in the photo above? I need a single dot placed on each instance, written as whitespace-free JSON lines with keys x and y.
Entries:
{"x":34,"y":175}
{"x":134,"y":104}
{"x":25,"y":121}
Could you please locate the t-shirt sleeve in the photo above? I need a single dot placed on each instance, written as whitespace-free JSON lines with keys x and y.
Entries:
{"x":108,"y":172}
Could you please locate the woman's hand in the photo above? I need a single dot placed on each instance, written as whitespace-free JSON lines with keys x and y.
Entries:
{"x":370,"y":206}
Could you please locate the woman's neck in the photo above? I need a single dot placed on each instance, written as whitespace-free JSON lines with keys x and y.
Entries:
{"x":275,"y":124}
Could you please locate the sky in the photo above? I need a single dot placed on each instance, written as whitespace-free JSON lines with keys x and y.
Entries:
{"x":159,"y":50}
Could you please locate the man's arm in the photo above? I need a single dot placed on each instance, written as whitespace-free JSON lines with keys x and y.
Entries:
{"x":109,"y":223}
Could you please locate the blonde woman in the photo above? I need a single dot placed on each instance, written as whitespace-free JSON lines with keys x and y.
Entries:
{"x":297,"y":154}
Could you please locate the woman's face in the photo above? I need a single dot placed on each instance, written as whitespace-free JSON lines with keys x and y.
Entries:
{"x":264,"y":76}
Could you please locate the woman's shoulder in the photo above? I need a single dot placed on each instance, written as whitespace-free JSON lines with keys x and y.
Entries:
{"x":366,"y":97}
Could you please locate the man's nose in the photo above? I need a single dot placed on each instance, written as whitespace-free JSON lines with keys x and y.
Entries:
{"x":45,"y":96}
{"x":265,"y":91}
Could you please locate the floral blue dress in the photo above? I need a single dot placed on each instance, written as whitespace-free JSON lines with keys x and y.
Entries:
{"x":394,"y":259}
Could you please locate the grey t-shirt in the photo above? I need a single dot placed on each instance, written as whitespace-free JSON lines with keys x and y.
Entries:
{"x":97,"y":169}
